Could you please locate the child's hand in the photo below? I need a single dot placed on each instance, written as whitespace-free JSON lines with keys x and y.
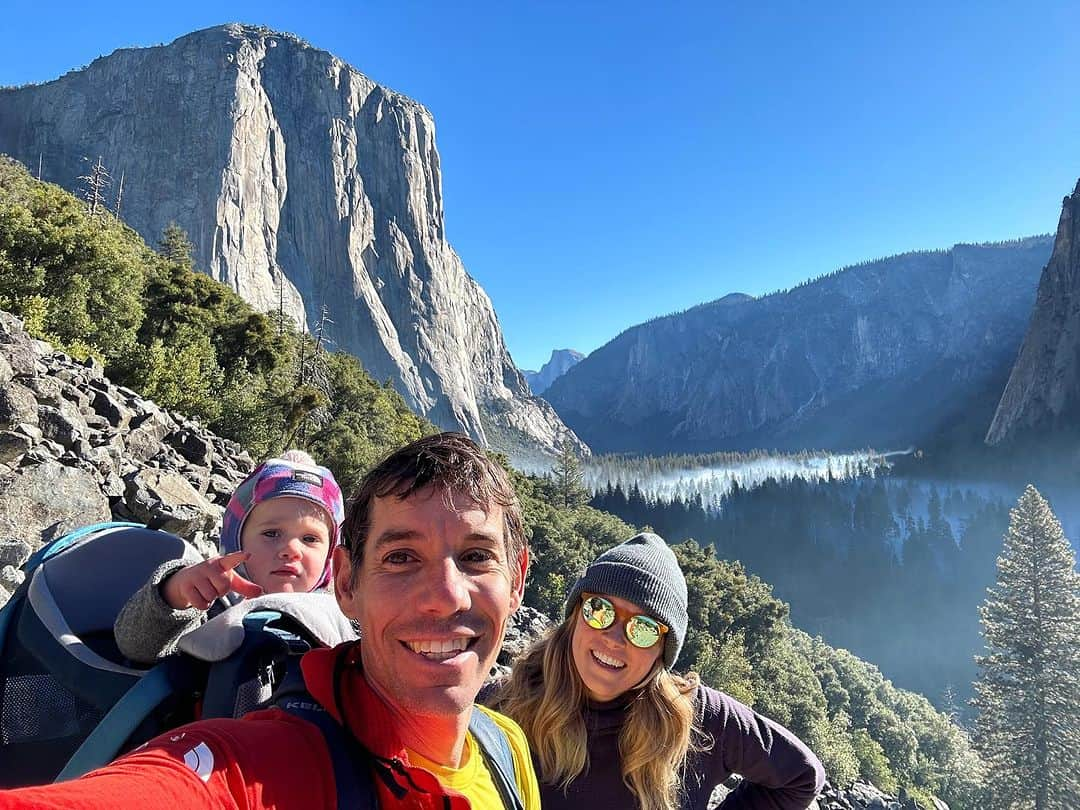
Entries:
{"x":200,"y":584}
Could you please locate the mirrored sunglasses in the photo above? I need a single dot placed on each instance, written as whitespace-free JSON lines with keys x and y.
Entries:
{"x":641,"y":631}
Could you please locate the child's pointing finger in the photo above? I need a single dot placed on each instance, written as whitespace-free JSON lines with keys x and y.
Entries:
{"x":227,"y":562}
{"x":244,"y":587}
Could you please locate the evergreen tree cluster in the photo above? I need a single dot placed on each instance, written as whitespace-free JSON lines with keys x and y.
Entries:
{"x":708,"y":478}
{"x":91,"y":286}
{"x":891,"y":569}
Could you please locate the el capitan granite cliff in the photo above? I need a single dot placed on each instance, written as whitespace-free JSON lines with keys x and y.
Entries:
{"x":302,"y":184}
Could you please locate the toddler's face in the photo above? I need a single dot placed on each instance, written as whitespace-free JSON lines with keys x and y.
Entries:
{"x":288,"y":539}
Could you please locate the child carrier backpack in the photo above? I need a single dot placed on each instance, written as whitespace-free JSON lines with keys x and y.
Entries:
{"x":64,"y":686}
{"x":252,"y":647}
{"x":70,"y":702}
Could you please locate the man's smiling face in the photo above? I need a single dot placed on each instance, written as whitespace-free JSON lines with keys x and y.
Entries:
{"x":432,"y":596}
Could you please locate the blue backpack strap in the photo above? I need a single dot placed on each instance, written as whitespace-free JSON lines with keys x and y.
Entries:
{"x":352,"y":769}
{"x":106,"y":741}
{"x":495,"y":749}
{"x":352,"y":780}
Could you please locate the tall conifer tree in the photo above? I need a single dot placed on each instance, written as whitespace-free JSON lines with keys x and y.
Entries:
{"x":1028,"y":691}
{"x":569,"y":477}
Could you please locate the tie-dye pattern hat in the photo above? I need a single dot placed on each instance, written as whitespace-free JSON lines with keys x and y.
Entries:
{"x":279,"y":478}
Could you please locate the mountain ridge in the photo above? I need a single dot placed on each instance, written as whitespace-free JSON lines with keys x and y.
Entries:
{"x":817,"y":365}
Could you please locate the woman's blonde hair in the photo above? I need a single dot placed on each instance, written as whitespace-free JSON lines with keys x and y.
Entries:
{"x":547,"y":698}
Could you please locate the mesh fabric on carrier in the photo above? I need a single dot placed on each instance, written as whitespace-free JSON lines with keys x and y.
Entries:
{"x":60,"y":671}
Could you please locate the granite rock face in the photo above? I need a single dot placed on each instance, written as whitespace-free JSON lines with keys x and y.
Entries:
{"x":100,"y":452}
{"x":883,"y":354}
{"x":1043,"y":392}
{"x":561,"y":361}
{"x":303,"y":185}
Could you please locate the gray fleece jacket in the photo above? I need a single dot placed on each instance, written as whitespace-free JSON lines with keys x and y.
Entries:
{"x":147,"y":628}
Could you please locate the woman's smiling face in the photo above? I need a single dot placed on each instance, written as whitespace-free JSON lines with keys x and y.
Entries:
{"x":606,"y":661}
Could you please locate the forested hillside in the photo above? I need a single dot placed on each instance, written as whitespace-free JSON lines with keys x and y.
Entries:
{"x":84,"y":281}
{"x":89,"y":284}
{"x":890,"y":568}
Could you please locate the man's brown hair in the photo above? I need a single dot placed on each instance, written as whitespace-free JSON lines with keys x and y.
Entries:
{"x":450,"y":462}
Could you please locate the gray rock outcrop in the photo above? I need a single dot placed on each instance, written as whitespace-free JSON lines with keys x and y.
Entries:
{"x":1043,"y":391}
{"x":303,"y":185}
{"x":886,"y":354}
{"x":79,"y":450}
{"x":560,"y":362}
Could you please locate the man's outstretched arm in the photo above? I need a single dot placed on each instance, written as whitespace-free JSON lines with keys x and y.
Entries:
{"x":265,"y":760}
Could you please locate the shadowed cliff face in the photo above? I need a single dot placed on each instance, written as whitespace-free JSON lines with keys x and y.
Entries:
{"x":882,"y":354}
{"x":302,"y":184}
{"x":1043,"y":392}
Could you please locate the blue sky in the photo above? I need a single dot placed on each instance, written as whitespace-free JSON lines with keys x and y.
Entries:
{"x":607,"y":163}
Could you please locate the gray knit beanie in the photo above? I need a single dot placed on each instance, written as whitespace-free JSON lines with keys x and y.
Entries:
{"x":643,"y":570}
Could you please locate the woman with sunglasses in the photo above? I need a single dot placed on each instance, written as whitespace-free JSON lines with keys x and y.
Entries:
{"x":611,"y":725}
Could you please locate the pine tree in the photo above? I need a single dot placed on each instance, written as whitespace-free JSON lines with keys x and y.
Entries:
{"x":1028,"y":690}
{"x":569,"y":477}
{"x":176,"y":247}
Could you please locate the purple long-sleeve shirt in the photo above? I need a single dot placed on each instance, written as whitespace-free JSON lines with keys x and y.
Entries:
{"x":779,"y":772}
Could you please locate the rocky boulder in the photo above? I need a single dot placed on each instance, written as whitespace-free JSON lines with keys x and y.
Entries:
{"x":45,"y":498}
{"x":76,"y":450}
{"x":167,"y":501}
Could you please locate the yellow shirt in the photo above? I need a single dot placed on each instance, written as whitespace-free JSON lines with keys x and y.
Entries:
{"x":472,"y":778}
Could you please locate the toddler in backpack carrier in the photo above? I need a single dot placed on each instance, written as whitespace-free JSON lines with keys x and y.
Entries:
{"x":277,"y":535}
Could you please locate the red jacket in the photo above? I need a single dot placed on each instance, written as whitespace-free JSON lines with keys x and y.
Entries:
{"x":268,"y":759}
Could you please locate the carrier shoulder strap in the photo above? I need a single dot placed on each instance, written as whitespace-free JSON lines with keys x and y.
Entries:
{"x":354,"y":766}
{"x":495,"y":749}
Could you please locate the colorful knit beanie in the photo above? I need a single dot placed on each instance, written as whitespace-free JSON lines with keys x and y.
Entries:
{"x":278,"y":478}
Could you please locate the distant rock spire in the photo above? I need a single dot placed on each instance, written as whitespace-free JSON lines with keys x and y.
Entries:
{"x":561,"y":361}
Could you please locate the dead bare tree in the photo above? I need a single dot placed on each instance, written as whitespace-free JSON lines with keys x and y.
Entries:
{"x":313,"y":376}
{"x":95,"y":182}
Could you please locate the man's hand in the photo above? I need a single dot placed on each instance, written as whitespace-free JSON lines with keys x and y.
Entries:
{"x":200,"y":584}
